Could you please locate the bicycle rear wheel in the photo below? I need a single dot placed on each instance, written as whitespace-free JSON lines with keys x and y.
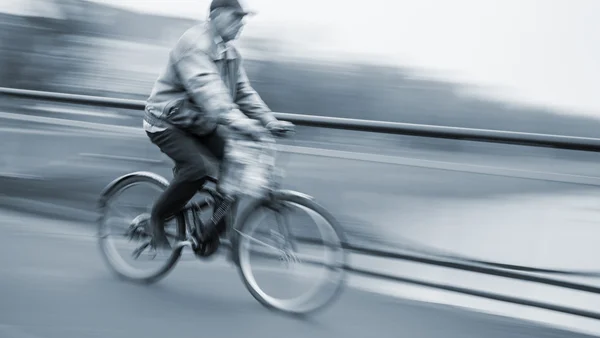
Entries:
{"x":137,"y":223}
{"x":291,"y":246}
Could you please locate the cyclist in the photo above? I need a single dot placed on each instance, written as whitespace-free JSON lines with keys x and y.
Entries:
{"x":202,"y":94}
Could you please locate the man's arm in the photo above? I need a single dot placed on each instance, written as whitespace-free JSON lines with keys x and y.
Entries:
{"x":202,"y":81}
{"x":249,"y":101}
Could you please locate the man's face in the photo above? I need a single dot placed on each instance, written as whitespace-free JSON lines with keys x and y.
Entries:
{"x":229,"y":23}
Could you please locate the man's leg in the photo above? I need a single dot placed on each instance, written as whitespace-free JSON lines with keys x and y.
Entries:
{"x":194,"y":162}
{"x":168,"y":203}
{"x":215,"y":142}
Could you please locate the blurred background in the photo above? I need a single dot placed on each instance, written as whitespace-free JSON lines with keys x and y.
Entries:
{"x":503,"y":65}
{"x":526,"y":65}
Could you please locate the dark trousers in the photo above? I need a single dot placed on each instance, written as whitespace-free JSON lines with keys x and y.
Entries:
{"x":195,"y":158}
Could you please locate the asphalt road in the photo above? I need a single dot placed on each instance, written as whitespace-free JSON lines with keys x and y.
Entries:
{"x":56,"y":286}
{"x":454,"y":195}
{"x":423,"y":178}
{"x":368,"y":198}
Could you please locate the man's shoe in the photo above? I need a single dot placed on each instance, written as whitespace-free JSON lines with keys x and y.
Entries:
{"x":208,"y":247}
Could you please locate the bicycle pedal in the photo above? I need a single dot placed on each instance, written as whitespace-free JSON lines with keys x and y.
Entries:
{"x":182,"y":244}
{"x":208,"y":248}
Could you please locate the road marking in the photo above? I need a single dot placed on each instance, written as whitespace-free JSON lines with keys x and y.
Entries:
{"x":122,"y":130}
{"x":71,"y":133}
{"x":79,"y":133}
{"x":548,"y":318}
{"x":20,"y":176}
{"x":122,"y":158}
{"x":443,"y":165}
{"x":73,"y":111}
{"x":411,"y":162}
{"x":392,"y":289}
{"x":348,"y":155}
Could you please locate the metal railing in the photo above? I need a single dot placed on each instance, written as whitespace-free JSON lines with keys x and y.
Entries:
{"x":457,"y":133}
{"x":461,"y":263}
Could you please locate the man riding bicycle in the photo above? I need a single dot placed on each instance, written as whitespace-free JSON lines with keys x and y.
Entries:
{"x":202,"y":95}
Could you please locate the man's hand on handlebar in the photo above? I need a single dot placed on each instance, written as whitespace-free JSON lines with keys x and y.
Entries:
{"x":250,"y":128}
{"x":253,"y":128}
{"x":280,"y":128}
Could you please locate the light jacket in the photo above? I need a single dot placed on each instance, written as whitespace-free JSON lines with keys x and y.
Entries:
{"x":203,"y":86}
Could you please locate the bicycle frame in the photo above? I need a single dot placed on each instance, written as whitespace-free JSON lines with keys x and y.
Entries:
{"x":250,"y":156}
{"x":231,"y":211}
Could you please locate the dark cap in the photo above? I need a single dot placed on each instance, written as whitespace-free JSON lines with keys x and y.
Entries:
{"x":237,"y":5}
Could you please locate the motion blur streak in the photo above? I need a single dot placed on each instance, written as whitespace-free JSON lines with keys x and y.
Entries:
{"x":508,"y":204}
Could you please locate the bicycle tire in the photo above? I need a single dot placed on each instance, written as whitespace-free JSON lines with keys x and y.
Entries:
{"x":306,"y":202}
{"x":109,"y":192}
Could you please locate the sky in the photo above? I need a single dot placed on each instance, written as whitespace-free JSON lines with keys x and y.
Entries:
{"x":542,"y":52}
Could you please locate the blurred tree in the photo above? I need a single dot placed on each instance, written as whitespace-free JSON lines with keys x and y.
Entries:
{"x":79,"y":46}
{"x":40,"y":36}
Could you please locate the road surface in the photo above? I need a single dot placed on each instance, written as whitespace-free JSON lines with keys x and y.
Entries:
{"x":56,"y":286}
{"x":461,"y":197}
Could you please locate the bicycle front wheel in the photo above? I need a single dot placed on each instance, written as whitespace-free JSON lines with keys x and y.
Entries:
{"x":314,"y":255}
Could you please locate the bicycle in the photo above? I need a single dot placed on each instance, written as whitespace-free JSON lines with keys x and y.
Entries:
{"x":250,"y":172}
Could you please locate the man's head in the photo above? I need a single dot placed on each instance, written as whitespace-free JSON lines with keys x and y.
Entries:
{"x":228,"y":17}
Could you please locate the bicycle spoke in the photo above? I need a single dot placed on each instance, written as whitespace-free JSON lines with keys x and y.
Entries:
{"x":137,"y":252}
{"x":122,"y":214}
{"x":260,"y":242}
{"x":262,"y":217}
{"x":284,"y":227}
{"x":170,"y":235}
{"x":120,"y":223}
